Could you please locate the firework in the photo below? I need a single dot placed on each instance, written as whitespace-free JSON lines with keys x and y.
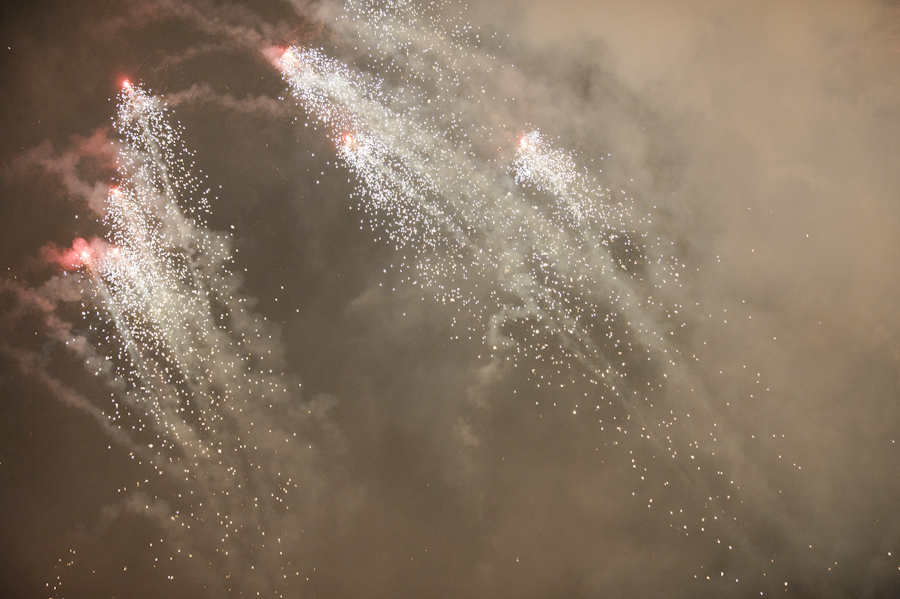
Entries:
{"x":197,"y":390}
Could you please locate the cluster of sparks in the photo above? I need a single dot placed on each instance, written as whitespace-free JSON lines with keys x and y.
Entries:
{"x":533,"y":247}
{"x":196,"y":383}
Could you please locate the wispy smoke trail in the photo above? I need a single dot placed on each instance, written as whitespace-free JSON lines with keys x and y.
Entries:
{"x":65,"y":166}
{"x":203,"y":93}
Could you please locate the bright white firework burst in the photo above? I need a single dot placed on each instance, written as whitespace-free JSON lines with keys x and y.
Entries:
{"x":196,"y":380}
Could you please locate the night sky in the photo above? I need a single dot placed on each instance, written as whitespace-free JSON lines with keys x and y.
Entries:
{"x":754,"y":143}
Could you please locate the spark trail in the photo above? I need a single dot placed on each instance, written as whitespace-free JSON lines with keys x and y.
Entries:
{"x":559,"y":271}
{"x":196,"y":382}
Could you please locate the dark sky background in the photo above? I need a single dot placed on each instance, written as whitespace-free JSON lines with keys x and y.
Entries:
{"x":762,"y":136}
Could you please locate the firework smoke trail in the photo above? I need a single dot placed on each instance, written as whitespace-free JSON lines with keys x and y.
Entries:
{"x":195,"y":380}
{"x":564,"y":261}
